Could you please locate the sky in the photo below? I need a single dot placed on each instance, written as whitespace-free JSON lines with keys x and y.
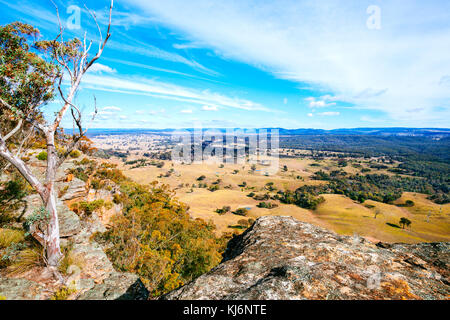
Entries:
{"x":243,"y":63}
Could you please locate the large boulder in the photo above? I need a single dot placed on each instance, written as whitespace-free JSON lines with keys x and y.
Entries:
{"x":76,"y":188}
{"x":283,"y":258}
{"x":96,"y":264}
{"x":118,"y":286}
{"x":69,"y":221}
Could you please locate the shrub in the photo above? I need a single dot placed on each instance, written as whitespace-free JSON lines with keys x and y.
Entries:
{"x":409,"y":203}
{"x":241,"y":212}
{"x":75,"y":154}
{"x":62,"y":293}
{"x":42,"y":156}
{"x":201,"y":178}
{"x":224,"y":210}
{"x":156,"y":238}
{"x":69,"y":259}
{"x":25,"y":260}
{"x":214,"y":188}
{"x":88,"y":208}
{"x":267,"y":205}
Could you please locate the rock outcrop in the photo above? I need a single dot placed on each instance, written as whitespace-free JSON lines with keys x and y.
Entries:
{"x":282,"y":258}
{"x":118,"y":286}
{"x":20,"y":289}
{"x":97,"y":279}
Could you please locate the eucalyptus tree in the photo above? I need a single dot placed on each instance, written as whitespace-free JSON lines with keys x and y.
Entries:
{"x":33,"y":72}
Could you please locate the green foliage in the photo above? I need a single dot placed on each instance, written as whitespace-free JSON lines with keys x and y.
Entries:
{"x":40,"y":216}
{"x":75,"y":154}
{"x":87,"y":208}
{"x":301,"y":197}
{"x":26,"y":79}
{"x":405,"y":222}
{"x":241,"y":212}
{"x":62,"y":293}
{"x":156,"y":238}
{"x":267,"y":205}
{"x":12,"y":193}
{"x":321,"y":175}
{"x":224,"y":210}
{"x":42,"y":156}
{"x":213,"y":188}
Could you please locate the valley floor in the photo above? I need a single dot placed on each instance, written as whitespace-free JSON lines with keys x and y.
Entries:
{"x":374,"y":220}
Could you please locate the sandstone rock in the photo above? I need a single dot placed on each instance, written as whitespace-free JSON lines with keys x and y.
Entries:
{"x":119,"y":286}
{"x":76,"y":189}
{"x":20,"y":289}
{"x":282,"y":258}
{"x":69,"y":222}
{"x":95,"y":262}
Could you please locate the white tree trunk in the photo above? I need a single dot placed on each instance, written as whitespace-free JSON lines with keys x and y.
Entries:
{"x":53,"y":249}
{"x":52,"y":241}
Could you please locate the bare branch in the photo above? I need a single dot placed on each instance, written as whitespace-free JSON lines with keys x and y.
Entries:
{"x":76,"y":138}
{"x":14,"y":131}
{"x":60,"y":58}
{"x":22,"y":167}
{"x":101,"y":45}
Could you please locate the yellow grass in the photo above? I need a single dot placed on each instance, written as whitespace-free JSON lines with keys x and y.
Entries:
{"x":338,"y":213}
{"x":8,"y":237}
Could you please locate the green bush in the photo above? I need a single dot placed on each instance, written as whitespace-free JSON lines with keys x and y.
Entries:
{"x":241,"y":212}
{"x":75,"y":154}
{"x":42,"y":156}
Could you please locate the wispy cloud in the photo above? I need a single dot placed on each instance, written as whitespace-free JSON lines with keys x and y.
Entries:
{"x":169,"y":91}
{"x":327,"y":45}
{"x":112,"y":108}
{"x":151,"y":51}
{"x":328,"y":114}
{"x":210,"y":108}
{"x":101,"y":68}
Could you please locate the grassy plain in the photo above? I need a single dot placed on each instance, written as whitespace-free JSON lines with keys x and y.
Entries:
{"x":430,"y":221}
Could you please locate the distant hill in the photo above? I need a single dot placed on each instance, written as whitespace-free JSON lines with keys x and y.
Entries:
{"x":436,"y":133}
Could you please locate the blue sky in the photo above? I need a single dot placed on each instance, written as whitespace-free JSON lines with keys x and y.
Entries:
{"x":241,"y":63}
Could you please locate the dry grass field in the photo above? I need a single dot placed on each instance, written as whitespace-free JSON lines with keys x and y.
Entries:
{"x":338,"y":213}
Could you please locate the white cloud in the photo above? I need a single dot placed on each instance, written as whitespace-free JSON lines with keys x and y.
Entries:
{"x":100,"y":68}
{"x":210,"y":108}
{"x":328,"y":114}
{"x":112,"y":108}
{"x":313,"y":103}
{"x":145,"y":49}
{"x":169,"y":91}
{"x":186,"y":111}
{"x":327,"y":45}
